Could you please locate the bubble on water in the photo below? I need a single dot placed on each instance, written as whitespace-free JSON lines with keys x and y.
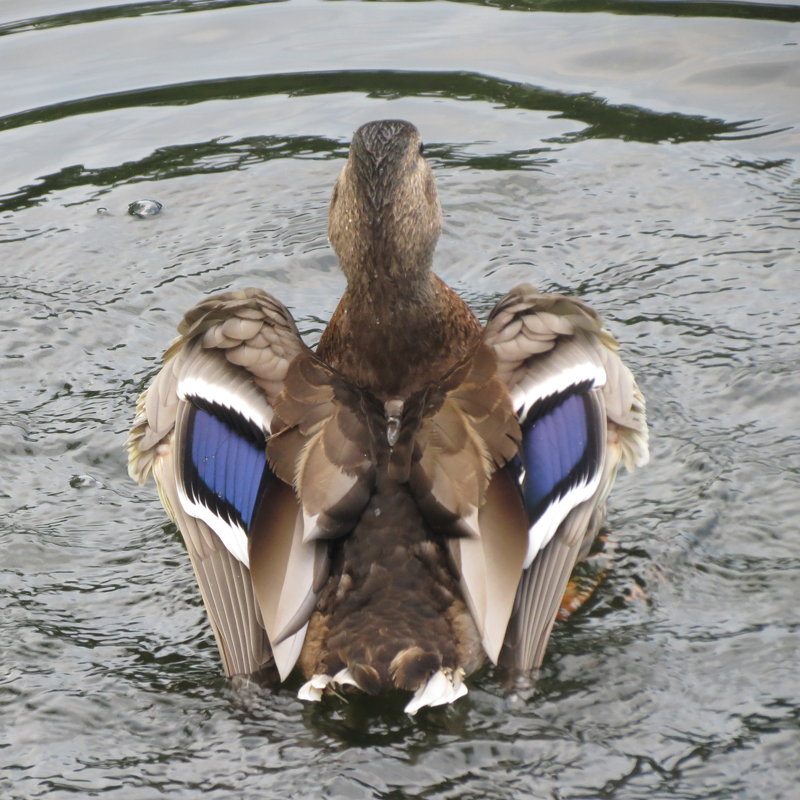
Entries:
{"x":85,"y":482}
{"x":144,"y":208}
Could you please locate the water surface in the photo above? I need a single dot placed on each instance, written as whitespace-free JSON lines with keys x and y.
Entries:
{"x":643,"y":156}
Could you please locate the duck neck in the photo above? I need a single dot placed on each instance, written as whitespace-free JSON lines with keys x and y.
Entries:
{"x":384,"y":284}
{"x":397,"y":328}
{"x":394,"y":310}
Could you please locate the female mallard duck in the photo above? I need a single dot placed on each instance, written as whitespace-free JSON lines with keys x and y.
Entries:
{"x":410,"y":499}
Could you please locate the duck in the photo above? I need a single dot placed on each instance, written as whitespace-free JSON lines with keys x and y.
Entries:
{"x":407,"y":501}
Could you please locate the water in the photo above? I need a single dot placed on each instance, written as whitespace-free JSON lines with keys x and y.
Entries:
{"x":641,"y":155}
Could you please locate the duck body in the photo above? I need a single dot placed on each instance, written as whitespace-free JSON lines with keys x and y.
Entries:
{"x":408,"y":501}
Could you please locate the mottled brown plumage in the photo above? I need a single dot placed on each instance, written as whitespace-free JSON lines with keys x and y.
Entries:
{"x":430,"y":483}
{"x":394,"y":609}
{"x":398,"y":326}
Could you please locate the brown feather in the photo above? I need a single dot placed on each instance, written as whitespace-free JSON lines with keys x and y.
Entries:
{"x":536,"y":337}
{"x":392,"y":540}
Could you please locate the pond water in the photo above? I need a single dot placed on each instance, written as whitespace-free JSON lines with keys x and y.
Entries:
{"x":641,"y":155}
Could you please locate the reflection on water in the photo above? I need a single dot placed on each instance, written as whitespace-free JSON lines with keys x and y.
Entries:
{"x":644,"y":158}
{"x":601,"y":119}
{"x":595,"y":118}
{"x":778,"y":12}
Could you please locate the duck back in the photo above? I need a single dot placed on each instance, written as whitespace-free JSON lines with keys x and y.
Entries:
{"x":392,"y":612}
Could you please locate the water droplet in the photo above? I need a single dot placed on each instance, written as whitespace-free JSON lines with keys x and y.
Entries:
{"x":144,"y":208}
{"x":84,"y":482}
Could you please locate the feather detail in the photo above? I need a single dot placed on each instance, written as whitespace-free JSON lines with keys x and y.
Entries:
{"x":490,"y":565}
{"x":408,"y":500}
{"x":323,"y":447}
{"x":202,"y":428}
{"x":444,"y":686}
{"x":312,"y":690}
{"x":470,"y":429}
{"x":581,"y":414}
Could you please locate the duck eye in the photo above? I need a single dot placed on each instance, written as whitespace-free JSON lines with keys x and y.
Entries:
{"x":421,"y":148}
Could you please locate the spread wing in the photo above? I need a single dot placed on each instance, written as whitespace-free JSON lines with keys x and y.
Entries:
{"x":580,"y":414}
{"x":202,"y":429}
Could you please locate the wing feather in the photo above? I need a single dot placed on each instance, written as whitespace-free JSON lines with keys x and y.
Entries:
{"x":202,"y":428}
{"x":224,"y":583}
{"x":540,"y":591}
{"x":457,"y":437}
{"x":490,"y":565}
{"x":581,"y":414}
{"x":323,"y":446}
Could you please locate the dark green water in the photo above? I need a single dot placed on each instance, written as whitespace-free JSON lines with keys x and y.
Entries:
{"x":641,"y":155}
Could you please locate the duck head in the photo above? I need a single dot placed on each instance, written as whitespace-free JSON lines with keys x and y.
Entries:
{"x":385,"y":216}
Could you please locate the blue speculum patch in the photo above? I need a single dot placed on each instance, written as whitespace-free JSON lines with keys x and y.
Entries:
{"x":226,"y":463}
{"x":556,"y":449}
